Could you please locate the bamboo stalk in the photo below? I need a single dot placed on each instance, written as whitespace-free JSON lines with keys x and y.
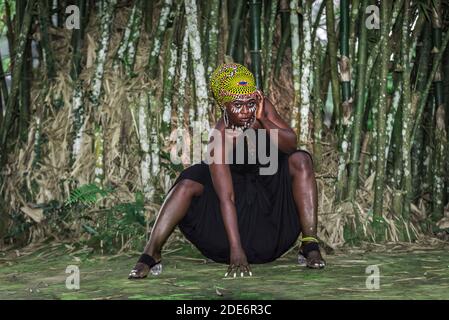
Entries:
{"x":213,"y":36}
{"x":318,"y":109}
{"x":3,"y":85}
{"x":235,"y":28}
{"x":20,"y":54}
{"x":359,"y":110}
{"x":77,"y":41}
{"x":269,"y":52}
{"x":183,"y":78}
{"x":316,"y":24}
{"x":379,"y":182}
{"x":306,"y":69}
{"x":285,"y":12}
{"x":296,"y":62}
{"x":46,"y":44}
{"x":332,"y":44}
{"x":406,"y":114}
{"x":201,"y":91}
{"x":158,"y":38}
{"x":345,"y":64}
{"x":440,"y":161}
{"x":96,"y":85}
{"x":102,"y":52}
{"x":129,"y":29}
{"x":423,"y":97}
{"x":78,"y":124}
{"x":255,"y":41}
{"x":440,"y":128}
{"x":147,"y":8}
{"x":170,"y":59}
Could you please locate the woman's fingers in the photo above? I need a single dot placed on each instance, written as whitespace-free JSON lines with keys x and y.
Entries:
{"x":234,"y":269}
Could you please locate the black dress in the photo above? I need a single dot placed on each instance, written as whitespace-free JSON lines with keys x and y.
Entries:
{"x":266,"y":212}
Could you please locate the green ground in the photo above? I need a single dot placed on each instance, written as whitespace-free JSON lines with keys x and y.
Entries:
{"x":39,"y":273}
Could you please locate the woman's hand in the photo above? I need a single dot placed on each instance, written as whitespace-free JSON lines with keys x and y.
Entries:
{"x":260,"y":111}
{"x":238,"y":263}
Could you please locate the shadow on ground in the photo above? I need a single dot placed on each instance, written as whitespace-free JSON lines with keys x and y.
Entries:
{"x":404,"y":274}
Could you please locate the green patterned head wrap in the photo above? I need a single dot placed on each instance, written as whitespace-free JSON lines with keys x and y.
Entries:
{"x":231,"y":81}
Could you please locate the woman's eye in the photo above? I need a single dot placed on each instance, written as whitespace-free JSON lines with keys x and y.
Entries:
{"x":251,"y":104}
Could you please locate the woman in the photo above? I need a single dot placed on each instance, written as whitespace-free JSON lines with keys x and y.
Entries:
{"x":231,"y":212}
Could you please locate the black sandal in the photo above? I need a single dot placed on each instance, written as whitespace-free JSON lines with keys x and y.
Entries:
{"x":154,"y":266}
{"x":311,"y":244}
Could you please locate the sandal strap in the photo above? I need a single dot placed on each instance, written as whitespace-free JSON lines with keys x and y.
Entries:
{"x":309,"y":247}
{"x":148,"y":260}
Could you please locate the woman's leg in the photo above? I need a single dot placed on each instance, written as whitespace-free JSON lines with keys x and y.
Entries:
{"x":304,"y":189}
{"x":171,"y":213}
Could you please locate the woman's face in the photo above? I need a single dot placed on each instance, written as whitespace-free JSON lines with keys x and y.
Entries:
{"x":242,"y":111}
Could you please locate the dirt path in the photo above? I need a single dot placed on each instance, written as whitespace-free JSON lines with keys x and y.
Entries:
{"x":422,"y":274}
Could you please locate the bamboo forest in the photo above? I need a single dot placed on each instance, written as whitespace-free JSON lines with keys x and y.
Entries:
{"x":95,"y":94}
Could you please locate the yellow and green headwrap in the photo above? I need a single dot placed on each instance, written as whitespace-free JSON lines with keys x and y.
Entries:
{"x":231,"y":81}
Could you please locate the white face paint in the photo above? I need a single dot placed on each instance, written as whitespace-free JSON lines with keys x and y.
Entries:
{"x":237,"y":108}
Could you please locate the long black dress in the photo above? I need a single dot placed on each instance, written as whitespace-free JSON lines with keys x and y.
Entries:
{"x":267,"y":217}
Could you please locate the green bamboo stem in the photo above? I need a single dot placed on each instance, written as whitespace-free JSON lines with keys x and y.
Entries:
{"x":201,"y":91}
{"x":440,"y":128}
{"x":439,"y":166}
{"x":374,"y":53}
{"x":268,"y":51}
{"x":10,"y":29}
{"x":235,"y":28}
{"x":317,"y":22}
{"x":48,"y":51}
{"x":158,"y":38}
{"x":355,"y":9}
{"x":318,"y":109}
{"x":359,"y":110}
{"x":332,"y":44}
{"x":20,"y":55}
{"x":423,"y":98}
{"x":147,"y":9}
{"x":255,"y":7}
{"x":345,"y":65}
{"x":141,"y":112}
{"x":3,"y":85}
{"x":77,"y":41}
{"x":379,"y":182}
{"x":170,"y":59}
{"x":213,"y":36}
{"x":406,"y":114}
{"x":286,"y":37}
{"x":306,"y":70}
{"x":296,"y":62}
{"x":129,"y":30}
{"x":78,"y":124}
{"x":102,"y":52}
{"x":184,"y":57}
{"x":106,"y":21}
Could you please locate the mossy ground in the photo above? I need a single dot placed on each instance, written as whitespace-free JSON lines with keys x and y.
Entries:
{"x":418,"y":274}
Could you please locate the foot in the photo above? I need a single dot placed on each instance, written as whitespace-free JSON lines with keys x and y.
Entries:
{"x":139,"y":271}
{"x":310,"y":256}
{"x":144,"y":265}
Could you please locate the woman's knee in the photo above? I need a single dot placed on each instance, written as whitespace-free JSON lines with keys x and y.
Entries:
{"x":189,"y":187}
{"x":300,"y":161}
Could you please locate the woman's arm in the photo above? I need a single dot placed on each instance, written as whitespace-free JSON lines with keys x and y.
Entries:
{"x":222,"y":182}
{"x":269,"y":119}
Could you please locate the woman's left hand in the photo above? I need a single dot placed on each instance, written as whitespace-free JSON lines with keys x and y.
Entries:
{"x":260,"y":111}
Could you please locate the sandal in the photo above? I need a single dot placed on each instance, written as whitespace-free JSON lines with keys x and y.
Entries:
{"x":309,"y":245}
{"x":145,"y":260}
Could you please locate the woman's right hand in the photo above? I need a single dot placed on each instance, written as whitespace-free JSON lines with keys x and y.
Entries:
{"x":238,"y":263}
